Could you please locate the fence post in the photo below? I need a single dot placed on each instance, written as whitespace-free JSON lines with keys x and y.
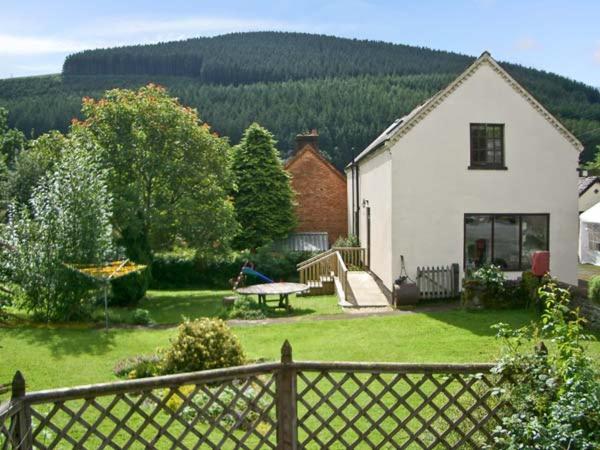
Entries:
{"x":22,"y":437}
{"x":455,"y":280}
{"x":287,"y":427}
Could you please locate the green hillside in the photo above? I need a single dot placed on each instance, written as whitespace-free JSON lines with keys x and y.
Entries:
{"x":289,"y":82}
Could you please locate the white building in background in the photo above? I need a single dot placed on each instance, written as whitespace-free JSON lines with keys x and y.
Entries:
{"x":479,"y":173}
{"x":589,"y":192}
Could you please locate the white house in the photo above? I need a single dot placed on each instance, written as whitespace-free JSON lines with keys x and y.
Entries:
{"x":589,"y":192}
{"x":479,"y":173}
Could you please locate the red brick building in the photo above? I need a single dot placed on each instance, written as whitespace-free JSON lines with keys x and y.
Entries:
{"x":320,"y":189}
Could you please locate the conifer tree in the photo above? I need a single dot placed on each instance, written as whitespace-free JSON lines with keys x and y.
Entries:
{"x":264,"y":200}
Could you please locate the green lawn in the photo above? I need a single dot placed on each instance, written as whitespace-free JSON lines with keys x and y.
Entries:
{"x":587,"y":271}
{"x":65,"y":356}
{"x":169,"y":307}
{"x":52,"y":357}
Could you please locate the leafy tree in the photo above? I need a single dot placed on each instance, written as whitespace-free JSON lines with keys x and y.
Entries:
{"x":594,"y":164}
{"x":68,"y":223}
{"x":169,"y":175}
{"x":34,"y":162}
{"x":12,"y":141}
{"x":264,"y":200}
{"x":4,"y":187}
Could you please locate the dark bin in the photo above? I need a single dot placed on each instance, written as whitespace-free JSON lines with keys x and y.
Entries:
{"x":406,"y":294}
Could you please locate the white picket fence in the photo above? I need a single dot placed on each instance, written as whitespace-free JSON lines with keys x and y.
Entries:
{"x":438,"y":281}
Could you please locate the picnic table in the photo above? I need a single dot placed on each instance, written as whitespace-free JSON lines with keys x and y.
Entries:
{"x":282,"y":289}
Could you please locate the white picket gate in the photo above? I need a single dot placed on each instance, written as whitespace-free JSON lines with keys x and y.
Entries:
{"x":438,"y":281}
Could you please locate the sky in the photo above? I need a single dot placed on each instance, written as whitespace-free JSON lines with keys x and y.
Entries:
{"x":557,"y":36}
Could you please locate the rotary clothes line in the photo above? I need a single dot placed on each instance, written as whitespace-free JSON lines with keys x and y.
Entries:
{"x":105,"y":273}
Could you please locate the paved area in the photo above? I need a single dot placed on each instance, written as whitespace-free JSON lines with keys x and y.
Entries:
{"x":367,"y":293}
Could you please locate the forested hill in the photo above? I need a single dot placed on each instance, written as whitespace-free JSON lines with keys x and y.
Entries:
{"x":242,"y":58}
{"x":289,"y":82}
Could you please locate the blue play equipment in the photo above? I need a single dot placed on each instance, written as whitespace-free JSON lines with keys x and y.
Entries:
{"x":249,"y":271}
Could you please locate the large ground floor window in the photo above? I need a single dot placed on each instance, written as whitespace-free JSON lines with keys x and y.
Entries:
{"x":506,"y":240}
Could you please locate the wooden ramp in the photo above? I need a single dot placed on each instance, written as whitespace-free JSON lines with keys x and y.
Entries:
{"x":366,"y":293}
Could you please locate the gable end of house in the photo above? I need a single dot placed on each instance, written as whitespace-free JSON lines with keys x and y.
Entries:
{"x":485,"y":58}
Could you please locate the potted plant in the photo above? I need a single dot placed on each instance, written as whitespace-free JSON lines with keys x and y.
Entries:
{"x":483,"y":287}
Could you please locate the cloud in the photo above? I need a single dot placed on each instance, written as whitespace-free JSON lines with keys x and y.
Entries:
{"x":132,"y":31}
{"x":527,"y":43}
{"x":33,"y":45}
{"x":194,"y":26}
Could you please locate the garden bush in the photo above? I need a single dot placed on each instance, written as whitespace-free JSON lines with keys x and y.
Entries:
{"x":142,"y":317}
{"x":202,"y":344}
{"x":531,"y":283}
{"x":141,"y":366}
{"x":487,"y":287}
{"x":348,"y":241}
{"x":279,"y":265}
{"x":246,"y":308}
{"x":553,"y":394}
{"x":184,"y":270}
{"x":484,"y":287}
{"x":594,"y":289}
{"x":130,"y":289}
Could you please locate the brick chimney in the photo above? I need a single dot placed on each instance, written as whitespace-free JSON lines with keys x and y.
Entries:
{"x":311,"y":138}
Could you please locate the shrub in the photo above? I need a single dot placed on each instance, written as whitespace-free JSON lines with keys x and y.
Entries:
{"x":142,"y":317}
{"x":130,"y":289}
{"x":594,"y":289}
{"x":247,"y":309}
{"x":350,"y":241}
{"x":277,"y":264}
{"x":553,"y":394}
{"x":67,"y":221}
{"x":486,"y":286}
{"x":184,"y":270}
{"x":202,"y":344}
{"x":141,"y":366}
{"x":531,"y":283}
{"x":491,"y":277}
{"x":514,"y":296}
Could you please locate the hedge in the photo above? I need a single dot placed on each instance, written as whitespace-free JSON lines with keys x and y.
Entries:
{"x":174,"y":271}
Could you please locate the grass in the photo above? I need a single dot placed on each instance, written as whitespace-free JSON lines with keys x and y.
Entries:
{"x":66,"y":356}
{"x":57,"y":356}
{"x":587,"y":271}
{"x":170,"y":306}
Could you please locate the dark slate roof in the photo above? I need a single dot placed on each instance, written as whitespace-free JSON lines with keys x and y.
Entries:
{"x":388,"y":132}
{"x":585,"y":183}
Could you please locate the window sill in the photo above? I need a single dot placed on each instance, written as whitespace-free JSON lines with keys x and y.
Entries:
{"x":487,"y":168}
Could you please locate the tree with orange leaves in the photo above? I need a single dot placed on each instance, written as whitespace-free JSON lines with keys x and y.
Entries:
{"x":168,"y":173}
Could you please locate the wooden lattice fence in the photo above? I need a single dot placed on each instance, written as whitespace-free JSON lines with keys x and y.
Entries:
{"x":283,"y":405}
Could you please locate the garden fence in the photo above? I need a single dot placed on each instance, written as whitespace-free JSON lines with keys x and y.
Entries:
{"x":438,"y":282}
{"x":283,"y":405}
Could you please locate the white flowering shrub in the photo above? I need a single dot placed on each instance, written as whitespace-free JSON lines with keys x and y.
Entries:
{"x":67,"y":222}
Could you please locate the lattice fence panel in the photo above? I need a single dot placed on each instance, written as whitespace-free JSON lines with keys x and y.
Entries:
{"x":8,"y":423}
{"x":386,"y":410}
{"x":237,"y":413}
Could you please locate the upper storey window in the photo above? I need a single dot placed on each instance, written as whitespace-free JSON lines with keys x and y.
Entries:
{"x":487,"y":146}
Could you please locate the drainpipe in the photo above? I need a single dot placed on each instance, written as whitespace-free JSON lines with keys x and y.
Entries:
{"x":355,"y":196}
